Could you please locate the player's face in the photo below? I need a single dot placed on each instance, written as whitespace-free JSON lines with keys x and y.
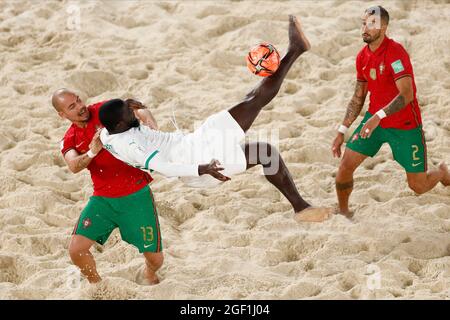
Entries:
{"x":371,"y":28}
{"x":73,"y":108}
{"x":129,"y":116}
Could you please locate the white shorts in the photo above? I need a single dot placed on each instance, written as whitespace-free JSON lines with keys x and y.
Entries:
{"x":219,"y":137}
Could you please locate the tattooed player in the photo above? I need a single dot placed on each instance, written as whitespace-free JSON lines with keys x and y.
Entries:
{"x":384,"y":68}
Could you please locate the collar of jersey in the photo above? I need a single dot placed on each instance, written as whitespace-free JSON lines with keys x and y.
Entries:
{"x":381,"y":48}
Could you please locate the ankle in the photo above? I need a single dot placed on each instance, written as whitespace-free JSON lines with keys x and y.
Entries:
{"x":94,"y":279}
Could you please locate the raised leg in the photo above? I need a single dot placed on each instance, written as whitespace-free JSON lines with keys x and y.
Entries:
{"x":425,"y":181}
{"x":246,"y":111}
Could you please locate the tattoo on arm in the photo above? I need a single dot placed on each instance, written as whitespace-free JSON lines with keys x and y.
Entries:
{"x":356,"y":104}
{"x":82,"y":162}
{"x":344,"y":185}
{"x":396,"y":105}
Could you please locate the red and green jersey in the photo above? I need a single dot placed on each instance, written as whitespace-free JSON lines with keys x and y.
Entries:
{"x":110,"y":177}
{"x":380,"y":69}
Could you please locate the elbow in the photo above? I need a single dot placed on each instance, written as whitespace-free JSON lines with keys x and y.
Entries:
{"x":74,"y":169}
{"x":408,"y":96}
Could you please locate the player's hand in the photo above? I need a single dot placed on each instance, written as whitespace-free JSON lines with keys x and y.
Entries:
{"x":134,"y":104}
{"x":212,"y":169}
{"x":96,"y":144}
{"x":146,"y":117}
{"x":369,"y":127}
{"x":337,"y":143}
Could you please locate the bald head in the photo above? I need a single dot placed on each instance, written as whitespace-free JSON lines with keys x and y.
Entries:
{"x":69,"y":105}
{"x":58,"y":97}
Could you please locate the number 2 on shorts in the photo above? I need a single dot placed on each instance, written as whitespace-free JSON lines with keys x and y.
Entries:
{"x":416,"y":149}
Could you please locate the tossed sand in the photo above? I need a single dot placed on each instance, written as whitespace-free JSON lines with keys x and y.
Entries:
{"x":237,"y":241}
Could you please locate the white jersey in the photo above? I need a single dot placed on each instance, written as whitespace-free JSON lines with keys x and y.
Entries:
{"x":148,"y":149}
{"x":176,"y":155}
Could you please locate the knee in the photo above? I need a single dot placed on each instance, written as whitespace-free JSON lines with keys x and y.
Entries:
{"x":417,"y":187}
{"x":262,"y":153}
{"x":78,"y":246}
{"x":74,"y":251}
{"x":345,"y":168}
{"x":154,"y":260}
{"x":268,"y":155}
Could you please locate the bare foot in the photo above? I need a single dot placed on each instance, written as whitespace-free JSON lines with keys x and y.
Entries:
{"x":297,"y":39}
{"x":146,"y":277}
{"x":314,"y":214}
{"x":347,"y":214}
{"x":446,"y":180}
{"x":151,"y":276}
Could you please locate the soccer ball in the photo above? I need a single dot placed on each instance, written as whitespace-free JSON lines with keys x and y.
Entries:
{"x":263,"y":60}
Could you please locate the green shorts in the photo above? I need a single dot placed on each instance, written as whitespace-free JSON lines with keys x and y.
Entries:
{"x":408,"y":146}
{"x":135,"y":215}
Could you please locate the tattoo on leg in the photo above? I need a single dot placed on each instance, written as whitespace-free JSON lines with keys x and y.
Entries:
{"x":344,"y":185}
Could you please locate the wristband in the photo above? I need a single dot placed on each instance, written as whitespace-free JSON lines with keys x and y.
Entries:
{"x":90,"y":154}
{"x":342,"y":129}
{"x":381,"y":114}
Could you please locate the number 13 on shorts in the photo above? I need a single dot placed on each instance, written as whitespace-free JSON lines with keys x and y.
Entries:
{"x":147,"y":233}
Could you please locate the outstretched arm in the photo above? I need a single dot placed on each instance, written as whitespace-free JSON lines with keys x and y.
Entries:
{"x":136,"y":155}
{"x":171,"y":169}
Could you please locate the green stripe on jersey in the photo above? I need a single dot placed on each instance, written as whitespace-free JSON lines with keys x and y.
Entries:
{"x":150,"y":158}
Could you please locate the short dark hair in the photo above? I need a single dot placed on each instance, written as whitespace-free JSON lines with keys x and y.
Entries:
{"x":384,"y":15}
{"x":110,"y":113}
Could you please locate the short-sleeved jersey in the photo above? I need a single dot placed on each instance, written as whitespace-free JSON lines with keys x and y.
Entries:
{"x":110,"y":176}
{"x":380,"y":69}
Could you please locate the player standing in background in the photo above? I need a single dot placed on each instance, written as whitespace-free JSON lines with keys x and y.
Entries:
{"x":384,"y":69}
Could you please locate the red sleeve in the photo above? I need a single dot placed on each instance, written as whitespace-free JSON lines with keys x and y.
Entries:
{"x":359,"y":68}
{"x":398,"y":62}
{"x":68,"y":142}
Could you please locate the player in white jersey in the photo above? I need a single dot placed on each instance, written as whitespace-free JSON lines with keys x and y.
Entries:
{"x":197,"y":155}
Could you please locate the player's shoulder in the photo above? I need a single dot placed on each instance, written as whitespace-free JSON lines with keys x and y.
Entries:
{"x":70,"y":132}
{"x":96,"y":106}
{"x":362,"y":52}
{"x":396,"y":48}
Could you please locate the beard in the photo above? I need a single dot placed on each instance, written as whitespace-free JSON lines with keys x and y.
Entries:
{"x":371,"y":39}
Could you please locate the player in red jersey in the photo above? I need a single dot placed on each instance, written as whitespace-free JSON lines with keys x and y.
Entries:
{"x":121,"y":199}
{"x":384,"y":68}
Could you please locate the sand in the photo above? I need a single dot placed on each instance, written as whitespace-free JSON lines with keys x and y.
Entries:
{"x":239,"y":240}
